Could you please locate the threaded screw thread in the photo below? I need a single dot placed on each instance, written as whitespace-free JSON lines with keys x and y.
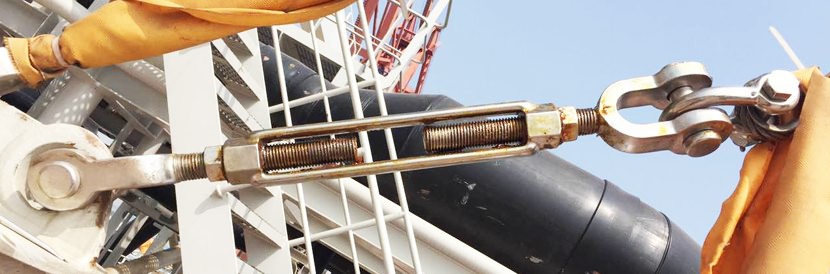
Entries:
{"x":189,"y":166}
{"x":451,"y":137}
{"x":307,"y":154}
{"x":588,"y":120}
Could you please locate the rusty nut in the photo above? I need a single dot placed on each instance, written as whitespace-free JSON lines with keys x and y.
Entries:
{"x":213,"y":164}
{"x":570,"y":123}
{"x":240,"y":162}
{"x":544,"y":126}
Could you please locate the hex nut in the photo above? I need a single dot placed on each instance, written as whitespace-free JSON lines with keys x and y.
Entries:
{"x":570,"y":123}
{"x":241,"y":163}
{"x":544,"y":126}
{"x":213,"y":163}
{"x":780,"y":85}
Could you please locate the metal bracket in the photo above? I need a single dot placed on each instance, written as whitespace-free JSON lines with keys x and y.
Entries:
{"x":696,"y":132}
{"x":63,"y":179}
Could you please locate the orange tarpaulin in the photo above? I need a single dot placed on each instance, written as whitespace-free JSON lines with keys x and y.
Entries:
{"x":778,"y":218}
{"x":128,"y":30}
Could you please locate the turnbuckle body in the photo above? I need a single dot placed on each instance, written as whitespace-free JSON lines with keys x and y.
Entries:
{"x":65,"y":179}
{"x":451,"y":137}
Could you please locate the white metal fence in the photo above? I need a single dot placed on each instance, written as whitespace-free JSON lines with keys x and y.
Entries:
{"x":175,"y":99}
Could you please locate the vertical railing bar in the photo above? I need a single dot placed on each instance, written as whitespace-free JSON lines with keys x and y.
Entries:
{"x":318,"y":62}
{"x":288,"y":122}
{"x":343,"y":198}
{"x":364,"y":143}
{"x":390,"y":145}
{"x":352,"y":244}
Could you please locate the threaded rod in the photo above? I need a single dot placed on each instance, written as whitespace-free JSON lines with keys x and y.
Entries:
{"x":588,"y":120}
{"x":306,"y":154}
{"x":189,"y":166}
{"x":504,"y":131}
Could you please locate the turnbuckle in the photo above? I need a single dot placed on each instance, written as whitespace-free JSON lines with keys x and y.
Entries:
{"x":451,"y":137}
{"x":64,"y":179}
{"x":765,"y":110}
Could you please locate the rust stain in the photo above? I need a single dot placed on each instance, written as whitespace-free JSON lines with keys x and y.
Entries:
{"x":565,"y":133}
{"x":104,"y":201}
{"x":91,"y":139}
{"x":358,"y":158}
{"x":24,"y":117}
{"x":605,"y":109}
{"x":602,"y":107}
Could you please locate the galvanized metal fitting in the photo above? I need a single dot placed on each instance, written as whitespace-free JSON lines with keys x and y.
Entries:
{"x":545,"y":126}
{"x":702,"y":143}
{"x":58,"y":179}
{"x":774,"y":116}
{"x":764,"y":107}
{"x":240,"y":161}
{"x":780,"y":85}
{"x":695,"y":132}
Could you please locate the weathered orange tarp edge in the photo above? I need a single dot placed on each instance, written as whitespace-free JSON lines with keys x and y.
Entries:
{"x":778,"y":218}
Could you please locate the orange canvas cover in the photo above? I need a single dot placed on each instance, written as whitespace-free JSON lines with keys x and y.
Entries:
{"x":126,"y":30}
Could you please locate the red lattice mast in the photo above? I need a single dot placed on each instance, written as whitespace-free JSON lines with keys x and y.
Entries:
{"x":397,"y":40}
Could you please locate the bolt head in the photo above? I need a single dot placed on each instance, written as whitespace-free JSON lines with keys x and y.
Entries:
{"x":58,"y":179}
{"x":780,"y":85}
{"x":702,"y":143}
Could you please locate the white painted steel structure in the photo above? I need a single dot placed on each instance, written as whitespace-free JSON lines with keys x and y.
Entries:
{"x":168,"y":100}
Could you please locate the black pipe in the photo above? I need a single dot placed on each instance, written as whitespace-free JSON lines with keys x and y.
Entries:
{"x":537,"y":214}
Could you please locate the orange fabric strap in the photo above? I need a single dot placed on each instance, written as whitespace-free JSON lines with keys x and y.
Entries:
{"x":129,"y":30}
{"x":778,"y":218}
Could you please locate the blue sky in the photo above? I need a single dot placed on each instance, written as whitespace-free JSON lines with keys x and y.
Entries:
{"x":567,"y":53}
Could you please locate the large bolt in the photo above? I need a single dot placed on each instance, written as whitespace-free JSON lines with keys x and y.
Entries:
{"x":59,"y":179}
{"x":702,"y":143}
{"x":780,"y":85}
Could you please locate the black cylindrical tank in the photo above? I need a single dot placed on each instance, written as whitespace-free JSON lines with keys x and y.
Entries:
{"x":537,"y":214}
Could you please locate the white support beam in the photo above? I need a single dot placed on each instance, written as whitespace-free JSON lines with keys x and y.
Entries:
{"x":442,"y":252}
{"x":69,"y":100}
{"x":253,"y":64}
{"x":262,"y":255}
{"x":204,"y":217}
